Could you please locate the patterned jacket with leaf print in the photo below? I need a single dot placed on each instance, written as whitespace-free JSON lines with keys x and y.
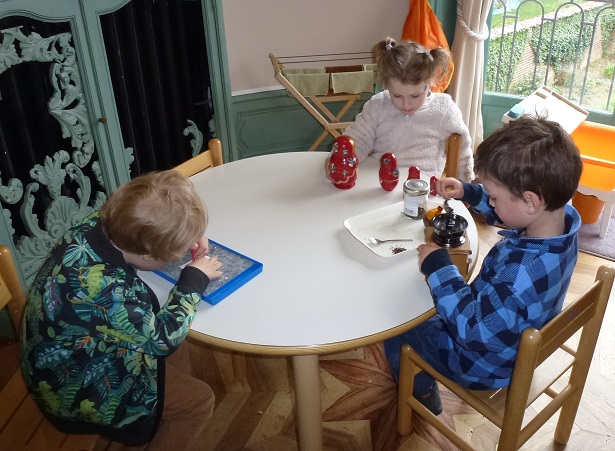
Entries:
{"x":94,"y":338}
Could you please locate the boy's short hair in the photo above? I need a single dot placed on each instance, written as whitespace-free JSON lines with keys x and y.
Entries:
{"x":532,"y":154}
{"x":157,"y":214}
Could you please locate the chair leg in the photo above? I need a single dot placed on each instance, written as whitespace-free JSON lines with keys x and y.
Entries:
{"x":566,"y":419}
{"x":446,"y":430}
{"x":406,"y":386}
{"x":606,"y":217}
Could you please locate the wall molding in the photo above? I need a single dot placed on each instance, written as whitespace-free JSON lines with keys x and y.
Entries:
{"x":273,"y":122}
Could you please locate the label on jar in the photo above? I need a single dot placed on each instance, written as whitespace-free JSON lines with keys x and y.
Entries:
{"x":415,"y":198}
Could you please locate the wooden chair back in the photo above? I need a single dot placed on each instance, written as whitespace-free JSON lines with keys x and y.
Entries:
{"x":207,"y":159}
{"x":544,"y":358}
{"x":453,"y":146}
{"x":11,"y":291}
{"x":22,"y":425}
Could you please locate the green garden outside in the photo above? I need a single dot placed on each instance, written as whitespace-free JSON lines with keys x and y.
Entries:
{"x":566,"y":45}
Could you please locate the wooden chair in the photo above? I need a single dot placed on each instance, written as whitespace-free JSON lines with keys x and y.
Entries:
{"x":206,"y":159}
{"x":544,"y":358}
{"x":22,"y":425}
{"x":453,"y":145}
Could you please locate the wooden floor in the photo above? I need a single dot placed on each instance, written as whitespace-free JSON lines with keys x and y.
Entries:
{"x":358,"y":396}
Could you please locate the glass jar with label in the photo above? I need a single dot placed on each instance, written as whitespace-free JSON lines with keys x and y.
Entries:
{"x":415,"y":198}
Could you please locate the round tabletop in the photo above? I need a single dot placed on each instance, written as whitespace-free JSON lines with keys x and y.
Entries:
{"x":321,"y":289}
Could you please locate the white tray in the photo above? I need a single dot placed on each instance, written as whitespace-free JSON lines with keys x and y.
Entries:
{"x":388,"y":223}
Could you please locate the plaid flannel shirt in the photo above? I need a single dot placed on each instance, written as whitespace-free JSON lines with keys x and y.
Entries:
{"x":522,"y":283}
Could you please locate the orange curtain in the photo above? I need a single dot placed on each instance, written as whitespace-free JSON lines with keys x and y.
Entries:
{"x":423,"y":26}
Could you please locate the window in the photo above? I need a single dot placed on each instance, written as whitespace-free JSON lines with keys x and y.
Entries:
{"x":566,"y":45}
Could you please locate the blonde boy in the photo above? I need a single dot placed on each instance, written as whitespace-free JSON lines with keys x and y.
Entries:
{"x":94,"y":337}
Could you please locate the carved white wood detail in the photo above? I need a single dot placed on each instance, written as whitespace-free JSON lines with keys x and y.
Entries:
{"x":68,"y":107}
{"x":197,"y":137}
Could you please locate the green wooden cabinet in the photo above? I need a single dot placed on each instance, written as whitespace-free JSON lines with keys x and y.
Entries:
{"x":63,"y":147}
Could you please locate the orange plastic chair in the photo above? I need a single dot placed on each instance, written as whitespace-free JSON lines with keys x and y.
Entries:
{"x":595,"y":142}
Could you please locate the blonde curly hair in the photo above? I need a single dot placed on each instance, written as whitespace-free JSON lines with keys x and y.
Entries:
{"x":157,"y":214}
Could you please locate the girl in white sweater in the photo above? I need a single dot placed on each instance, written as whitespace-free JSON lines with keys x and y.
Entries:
{"x":408,"y":119}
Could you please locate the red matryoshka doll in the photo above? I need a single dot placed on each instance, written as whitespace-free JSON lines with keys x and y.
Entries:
{"x":414,"y":173}
{"x":389,"y":173}
{"x":432,"y":185}
{"x":342,"y":166}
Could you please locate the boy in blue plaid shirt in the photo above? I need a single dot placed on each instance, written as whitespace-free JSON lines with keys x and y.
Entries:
{"x":529,"y":169}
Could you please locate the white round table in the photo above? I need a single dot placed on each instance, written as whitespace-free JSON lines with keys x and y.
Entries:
{"x":321,"y":290}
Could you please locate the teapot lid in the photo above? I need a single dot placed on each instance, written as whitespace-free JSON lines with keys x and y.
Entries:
{"x":450,"y":222}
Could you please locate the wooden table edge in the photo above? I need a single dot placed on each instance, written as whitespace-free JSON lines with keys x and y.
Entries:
{"x":327,"y":348}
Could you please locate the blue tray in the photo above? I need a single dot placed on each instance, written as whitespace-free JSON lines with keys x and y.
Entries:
{"x":237,"y":271}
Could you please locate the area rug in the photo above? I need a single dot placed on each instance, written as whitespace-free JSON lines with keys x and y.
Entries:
{"x":591,"y":243}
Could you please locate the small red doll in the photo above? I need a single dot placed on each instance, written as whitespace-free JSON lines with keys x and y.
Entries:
{"x":342,"y":165}
{"x":414,"y":173}
{"x":389,"y":173}
{"x":432,"y":185}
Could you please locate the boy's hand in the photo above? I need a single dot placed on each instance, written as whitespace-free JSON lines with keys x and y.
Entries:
{"x":426,"y":249}
{"x":200,"y":248}
{"x":209,"y":265}
{"x":449,"y":187}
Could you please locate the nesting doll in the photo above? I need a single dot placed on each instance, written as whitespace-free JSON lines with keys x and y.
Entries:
{"x":389,"y":173}
{"x":432,"y":185}
{"x":414,"y":173}
{"x":342,"y":165}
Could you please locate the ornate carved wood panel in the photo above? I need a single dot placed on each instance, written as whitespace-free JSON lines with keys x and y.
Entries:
{"x":50,"y":170}
{"x":66,"y":141}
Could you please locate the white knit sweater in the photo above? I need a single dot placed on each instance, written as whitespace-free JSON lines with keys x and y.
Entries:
{"x":416,"y":140}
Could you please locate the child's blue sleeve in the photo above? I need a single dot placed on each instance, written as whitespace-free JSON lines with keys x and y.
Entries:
{"x":475,"y":195}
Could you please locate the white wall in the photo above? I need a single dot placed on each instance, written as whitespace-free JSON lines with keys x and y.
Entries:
{"x":255,"y":28}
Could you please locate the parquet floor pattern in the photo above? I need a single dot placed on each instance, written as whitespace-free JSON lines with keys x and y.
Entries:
{"x":255,"y":405}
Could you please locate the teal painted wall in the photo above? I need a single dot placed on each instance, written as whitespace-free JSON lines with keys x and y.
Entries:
{"x":273,"y":122}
